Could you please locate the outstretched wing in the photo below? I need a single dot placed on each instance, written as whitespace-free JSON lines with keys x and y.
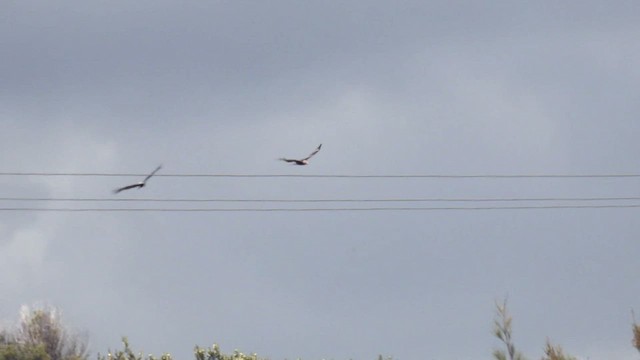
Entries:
{"x":153,"y":173}
{"x":314,"y":152}
{"x":288,"y":160}
{"x":127,"y":187}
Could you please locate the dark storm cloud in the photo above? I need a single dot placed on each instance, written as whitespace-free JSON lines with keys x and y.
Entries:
{"x":164,"y":48}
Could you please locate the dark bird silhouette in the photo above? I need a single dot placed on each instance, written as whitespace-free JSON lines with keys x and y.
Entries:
{"x":304,"y":161}
{"x":140,"y":184}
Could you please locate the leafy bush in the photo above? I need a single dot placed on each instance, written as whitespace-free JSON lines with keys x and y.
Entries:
{"x":15,"y":351}
{"x":43,"y":327}
{"x":213,"y":353}
{"x":552,"y":352}
{"x":128,"y":354}
{"x":502,"y":330}
{"x":41,"y":336}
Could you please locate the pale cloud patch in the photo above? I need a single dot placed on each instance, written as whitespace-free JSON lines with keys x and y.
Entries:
{"x":22,"y":257}
{"x":78,"y":150}
{"x":25,"y":239}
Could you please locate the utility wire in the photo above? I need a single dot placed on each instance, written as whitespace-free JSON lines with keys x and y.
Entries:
{"x":530,"y":199}
{"x":348,"y":176}
{"x":362,"y":209}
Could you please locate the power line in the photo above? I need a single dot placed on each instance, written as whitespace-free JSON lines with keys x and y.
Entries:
{"x":344,"y":176}
{"x":184,"y":200}
{"x":362,"y":209}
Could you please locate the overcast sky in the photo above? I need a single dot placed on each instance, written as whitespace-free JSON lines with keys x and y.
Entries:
{"x":388,"y":87}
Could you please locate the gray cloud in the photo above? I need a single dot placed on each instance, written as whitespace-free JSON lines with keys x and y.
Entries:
{"x":387,"y":88}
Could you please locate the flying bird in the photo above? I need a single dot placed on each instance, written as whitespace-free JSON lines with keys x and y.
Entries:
{"x":304,"y":161}
{"x":140,"y":184}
